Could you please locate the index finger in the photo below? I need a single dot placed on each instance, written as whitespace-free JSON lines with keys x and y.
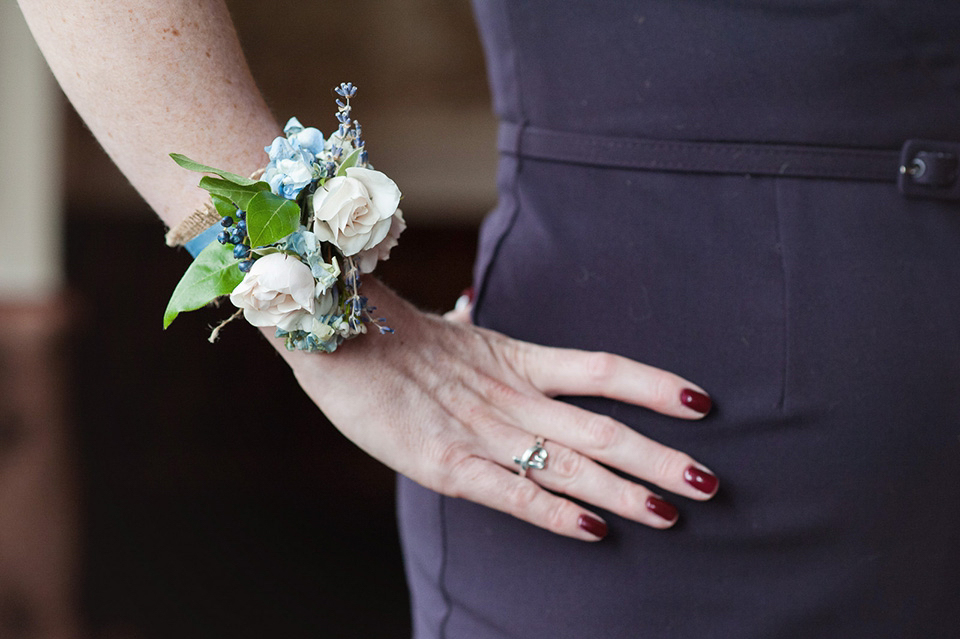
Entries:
{"x":565,"y":371}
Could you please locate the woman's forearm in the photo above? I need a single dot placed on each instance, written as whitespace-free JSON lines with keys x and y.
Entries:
{"x":151,"y":78}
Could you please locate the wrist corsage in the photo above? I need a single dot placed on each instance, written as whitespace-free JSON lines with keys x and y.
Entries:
{"x":291,"y":245}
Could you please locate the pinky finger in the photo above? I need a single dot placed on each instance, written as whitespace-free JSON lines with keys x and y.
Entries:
{"x":488,"y":484}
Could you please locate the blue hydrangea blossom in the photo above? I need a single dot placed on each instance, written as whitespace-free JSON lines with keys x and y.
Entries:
{"x":292,"y":159}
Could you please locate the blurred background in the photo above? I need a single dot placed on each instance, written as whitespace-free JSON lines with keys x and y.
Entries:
{"x":148,"y":488}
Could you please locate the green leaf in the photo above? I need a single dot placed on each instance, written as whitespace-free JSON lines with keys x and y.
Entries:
{"x":224,"y":206}
{"x":239,"y":195}
{"x":212,"y":274}
{"x":270,"y":218}
{"x":190,"y":165}
{"x":348,"y":162}
{"x":267,"y":250}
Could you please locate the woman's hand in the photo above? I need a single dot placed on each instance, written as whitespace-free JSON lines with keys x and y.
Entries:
{"x":450,"y":405}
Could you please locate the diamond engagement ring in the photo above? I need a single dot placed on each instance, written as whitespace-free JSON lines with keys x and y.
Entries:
{"x":534,"y":457}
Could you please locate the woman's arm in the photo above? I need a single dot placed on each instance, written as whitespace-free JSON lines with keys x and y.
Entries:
{"x":151,"y":78}
{"x":447,"y":404}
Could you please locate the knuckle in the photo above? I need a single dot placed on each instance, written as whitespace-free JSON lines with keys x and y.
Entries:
{"x":520,"y":496}
{"x":566,"y":464}
{"x":459,"y":480}
{"x":453,"y":455}
{"x":518,"y":356}
{"x":558,"y":516}
{"x":511,"y":357}
{"x":600,"y":366}
{"x":664,"y":395}
{"x":601,"y":432}
{"x":668,"y":465}
{"x":452,"y":467}
{"x":630,"y":497}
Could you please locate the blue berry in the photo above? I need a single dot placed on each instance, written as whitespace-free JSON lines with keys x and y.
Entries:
{"x":222,"y":237}
{"x":245,"y":265}
{"x":236,"y":238}
{"x":241,"y":215}
{"x":226,"y":222}
{"x":240,"y":251}
{"x":241,"y":227}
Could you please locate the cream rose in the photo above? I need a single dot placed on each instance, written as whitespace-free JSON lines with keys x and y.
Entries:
{"x":277,"y":291}
{"x":354,"y":211}
{"x":367,"y":259}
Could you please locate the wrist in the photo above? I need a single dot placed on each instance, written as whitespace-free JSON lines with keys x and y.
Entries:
{"x":370,"y":351}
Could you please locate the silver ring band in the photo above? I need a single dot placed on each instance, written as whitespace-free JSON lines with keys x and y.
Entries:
{"x":534,"y":457}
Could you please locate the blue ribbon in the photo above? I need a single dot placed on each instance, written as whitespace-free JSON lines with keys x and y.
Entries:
{"x":201,"y":241}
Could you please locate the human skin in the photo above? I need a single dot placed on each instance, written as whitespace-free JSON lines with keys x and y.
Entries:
{"x":443,"y":402}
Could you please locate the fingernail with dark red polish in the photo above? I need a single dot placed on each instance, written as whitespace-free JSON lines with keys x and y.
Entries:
{"x":662,"y":509}
{"x":696,"y":400}
{"x":702,"y":480}
{"x":592,"y":525}
{"x":465,"y":300}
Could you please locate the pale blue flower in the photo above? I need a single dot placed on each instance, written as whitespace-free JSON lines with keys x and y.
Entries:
{"x":325,"y":338}
{"x":299,"y":138}
{"x":288,"y":177}
{"x":292,"y":126}
{"x":292,"y":159}
{"x":305,"y":244}
{"x":302,"y":242}
{"x":325,"y":274}
{"x":309,"y":140}
{"x":280,"y":149}
{"x":274,"y":178}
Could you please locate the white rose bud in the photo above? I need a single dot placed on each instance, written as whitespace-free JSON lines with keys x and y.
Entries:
{"x":277,"y":291}
{"x":354,"y":211}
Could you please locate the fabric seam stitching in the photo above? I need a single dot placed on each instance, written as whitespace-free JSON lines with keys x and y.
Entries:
{"x":442,"y":503}
{"x":785,"y":323}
